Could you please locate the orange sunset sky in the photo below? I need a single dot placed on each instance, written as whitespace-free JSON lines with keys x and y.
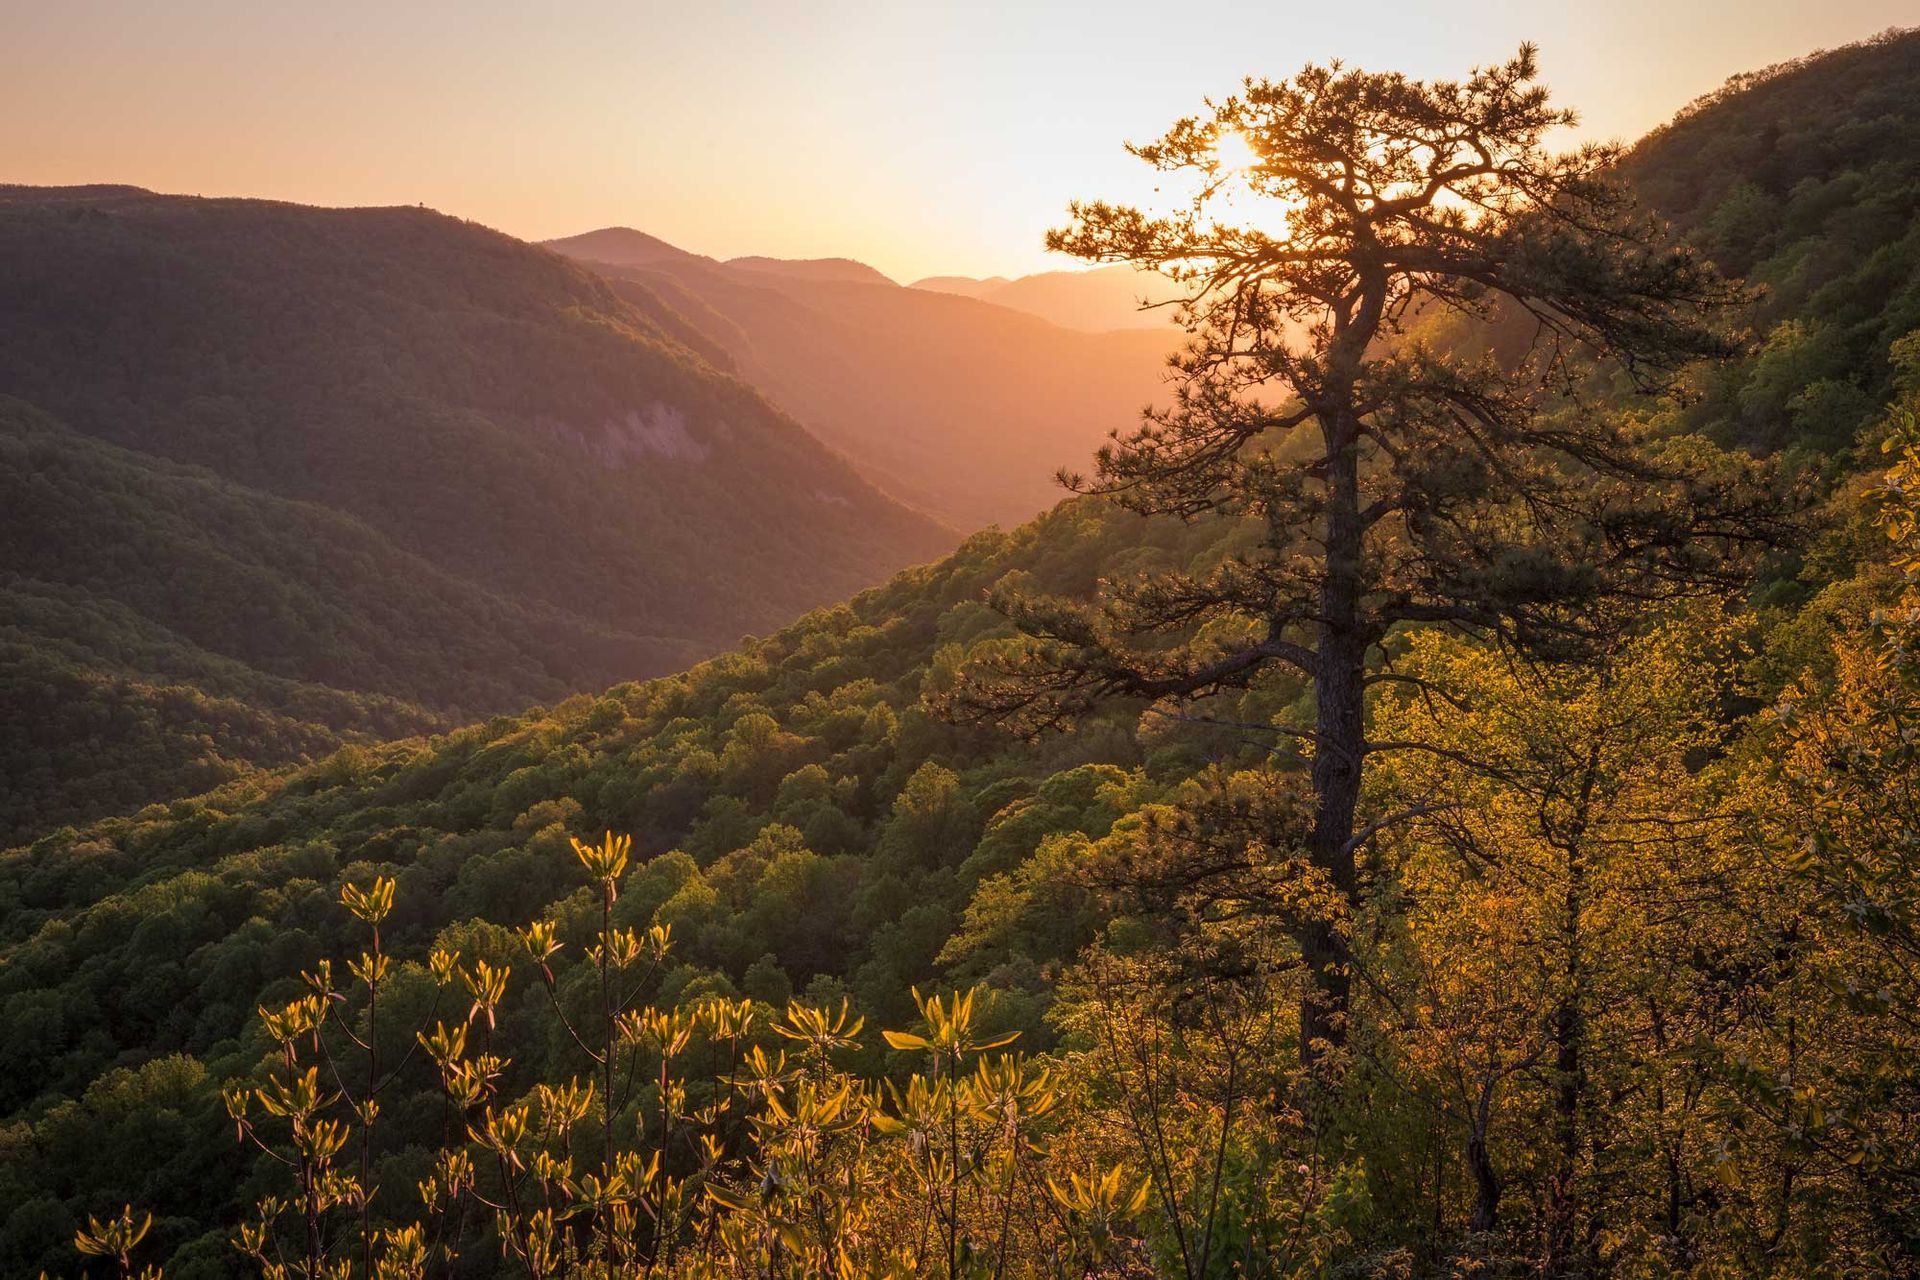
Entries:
{"x":920,"y":138}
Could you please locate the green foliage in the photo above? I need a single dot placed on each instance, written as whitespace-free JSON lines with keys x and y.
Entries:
{"x":756,"y":1163}
{"x":391,"y":471}
{"x":1845,"y":812}
{"x":1803,"y":179}
{"x":1632,"y":962}
{"x":156,"y":935}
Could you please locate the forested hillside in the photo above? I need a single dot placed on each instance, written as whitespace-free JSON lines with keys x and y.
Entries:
{"x":955,"y":406}
{"x":167,"y":629}
{"x":803,"y":823}
{"x":1804,"y":180}
{"x":1633,"y":947}
{"x":378,"y":452}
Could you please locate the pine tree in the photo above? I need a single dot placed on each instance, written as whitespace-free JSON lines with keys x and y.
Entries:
{"x":1391,"y":479}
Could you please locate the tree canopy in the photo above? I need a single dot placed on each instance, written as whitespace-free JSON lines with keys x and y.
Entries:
{"x":1393,"y":480}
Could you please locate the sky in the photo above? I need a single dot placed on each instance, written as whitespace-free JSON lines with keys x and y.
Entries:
{"x":921,"y":138}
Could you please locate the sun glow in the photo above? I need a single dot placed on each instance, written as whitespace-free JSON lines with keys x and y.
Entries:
{"x":1232,"y":151}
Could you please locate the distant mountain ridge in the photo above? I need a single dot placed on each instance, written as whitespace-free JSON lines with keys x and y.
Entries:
{"x":387,"y":453}
{"x":1095,"y":300}
{"x":964,"y":286}
{"x":842,"y":269}
{"x":626,"y":247}
{"x":960,"y":407}
{"x":621,"y":246}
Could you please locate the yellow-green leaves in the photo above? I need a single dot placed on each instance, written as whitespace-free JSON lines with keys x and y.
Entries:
{"x":502,"y":1131}
{"x":950,"y":1028}
{"x":296,"y":1097}
{"x":114,"y":1238}
{"x":487,"y":985}
{"x":666,"y":1032}
{"x":371,"y":968}
{"x":373,"y":904}
{"x":237,"y":1098}
{"x":1010,"y":1091}
{"x":321,"y":1140}
{"x":446,"y":1045}
{"x":443,"y":964}
{"x":1898,"y":509}
{"x":820,"y":1030}
{"x":760,"y":1075}
{"x":813,"y":1110}
{"x":563,"y":1106}
{"x":1103,"y":1197}
{"x":298,"y":1018}
{"x":606,"y":861}
{"x":538,"y":938}
{"x":403,"y":1253}
{"x":798,"y":1167}
{"x":1097,"y":1208}
{"x":726,"y":1019}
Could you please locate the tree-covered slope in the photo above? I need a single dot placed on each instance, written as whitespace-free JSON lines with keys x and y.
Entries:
{"x":480,"y":402}
{"x":290,"y":588}
{"x":803,"y":823}
{"x":388,"y":453}
{"x":106,"y":712}
{"x":823,"y":828}
{"x":1803,"y":179}
{"x":165,"y":629}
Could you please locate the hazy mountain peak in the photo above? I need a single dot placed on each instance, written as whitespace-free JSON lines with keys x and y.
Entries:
{"x":1094,"y":300}
{"x":621,"y":246}
{"x":963,"y":286}
{"x":960,"y":409}
{"x":816,"y":269}
{"x":628,"y":247}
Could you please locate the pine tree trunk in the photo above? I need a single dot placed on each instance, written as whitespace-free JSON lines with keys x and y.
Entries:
{"x":1339,"y":696}
{"x":1569,"y":1035}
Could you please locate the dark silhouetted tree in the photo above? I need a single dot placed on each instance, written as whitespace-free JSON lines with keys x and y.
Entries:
{"x":1393,"y":478}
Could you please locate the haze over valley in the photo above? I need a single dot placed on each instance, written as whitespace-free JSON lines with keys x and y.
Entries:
{"x":964,"y":408}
